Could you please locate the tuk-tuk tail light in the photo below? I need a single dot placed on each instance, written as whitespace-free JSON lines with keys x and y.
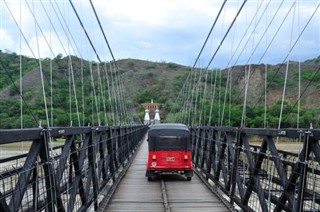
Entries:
{"x":185,"y":157}
{"x":154,"y":157}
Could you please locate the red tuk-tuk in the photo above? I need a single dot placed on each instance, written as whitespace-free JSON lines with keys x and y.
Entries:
{"x":169,"y":150}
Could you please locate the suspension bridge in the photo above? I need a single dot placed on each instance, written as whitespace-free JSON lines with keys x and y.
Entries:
{"x":71,"y":138}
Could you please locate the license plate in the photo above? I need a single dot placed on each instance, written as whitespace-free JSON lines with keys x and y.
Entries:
{"x":170,"y":158}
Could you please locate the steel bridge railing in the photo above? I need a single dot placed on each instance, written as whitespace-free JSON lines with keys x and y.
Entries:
{"x":259,"y":177}
{"x":67,"y":177}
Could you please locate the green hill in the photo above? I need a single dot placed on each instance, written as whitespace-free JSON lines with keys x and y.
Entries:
{"x":136,"y":82}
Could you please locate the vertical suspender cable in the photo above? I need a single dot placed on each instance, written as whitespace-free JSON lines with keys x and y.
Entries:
{"x":74,"y":91}
{"x":203,"y":108}
{"x":198,"y":97}
{"x":21,"y":92}
{"x":82,"y":93}
{"x":41,"y":73}
{"x":230,"y":98}
{"x":195,"y":110}
{"x":286,"y":75}
{"x":109,"y":92}
{"x":225,"y":96}
{"x":51,"y":76}
{"x":219,"y":97}
{"x":265,"y":80}
{"x":299,"y":72}
{"x":189,"y":97}
{"x":112,"y":99}
{"x":213,"y":90}
{"x":299,"y":93}
{"x":265,"y":95}
{"x":244,"y":111}
{"x":21,"y":80}
{"x":70,"y":96}
{"x":4,"y":67}
{"x":94,"y":94}
{"x":115,"y":96}
{"x":102,"y":96}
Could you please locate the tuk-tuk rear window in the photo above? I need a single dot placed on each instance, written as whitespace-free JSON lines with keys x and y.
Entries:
{"x":169,"y":143}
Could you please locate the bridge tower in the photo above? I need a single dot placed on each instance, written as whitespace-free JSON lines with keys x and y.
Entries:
{"x":151,"y":109}
{"x":146,"y":117}
{"x":157,"y":117}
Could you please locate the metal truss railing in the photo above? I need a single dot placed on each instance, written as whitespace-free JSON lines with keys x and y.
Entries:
{"x":66,"y":177}
{"x":260,"y":177}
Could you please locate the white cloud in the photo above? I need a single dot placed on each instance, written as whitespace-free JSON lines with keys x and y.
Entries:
{"x":170,"y":30}
{"x":6,"y":40}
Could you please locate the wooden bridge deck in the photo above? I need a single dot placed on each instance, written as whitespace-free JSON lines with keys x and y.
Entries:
{"x":136,"y":193}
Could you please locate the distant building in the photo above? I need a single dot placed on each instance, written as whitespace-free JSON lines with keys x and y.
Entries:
{"x":153,"y":108}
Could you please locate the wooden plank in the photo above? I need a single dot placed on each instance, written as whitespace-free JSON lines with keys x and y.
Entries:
{"x":136,"y":193}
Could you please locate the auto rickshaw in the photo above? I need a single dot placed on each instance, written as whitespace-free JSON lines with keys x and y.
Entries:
{"x":169,"y":150}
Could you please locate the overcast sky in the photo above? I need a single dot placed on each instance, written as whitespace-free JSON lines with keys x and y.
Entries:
{"x":164,"y":30}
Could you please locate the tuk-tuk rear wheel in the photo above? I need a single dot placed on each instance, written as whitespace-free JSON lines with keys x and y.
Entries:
{"x":189,"y":178}
{"x":149,"y":178}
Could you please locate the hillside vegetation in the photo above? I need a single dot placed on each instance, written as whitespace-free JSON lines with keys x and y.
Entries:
{"x":143,"y":81}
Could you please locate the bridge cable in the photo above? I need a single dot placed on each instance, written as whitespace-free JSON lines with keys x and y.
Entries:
{"x":244,"y":35}
{"x":40,"y":64}
{"x":286,"y":75}
{"x":49,"y":142}
{"x":181,"y":100}
{"x":253,"y":33}
{"x":120,"y":86}
{"x":20,"y":67}
{"x":273,"y":17}
{"x":235,"y":18}
{"x":313,"y":78}
{"x":296,"y":41}
{"x":69,"y":61}
{"x":246,"y":82}
{"x":21,"y":81}
{"x":229,"y":70}
{"x":209,"y":34}
{"x":274,"y":34}
{"x":303,"y":92}
{"x":116,"y":96}
{"x":90,"y":41}
{"x":213,"y":91}
{"x":36,"y":120}
{"x":102,"y":94}
{"x":71,"y":75}
{"x":228,"y":84}
{"x":109,"y":90}
{"x":202,"y":111}
{"x":104,"y":35}
{"x":224,"y":37}
{"x":66,"y":28}
{"x":121,"y":92}
{"x":290,"y":48}
{"x":85,"y":31}
{"x":94,"y":94}
{"x":22,"y":34}
{"x":299,"y":72}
